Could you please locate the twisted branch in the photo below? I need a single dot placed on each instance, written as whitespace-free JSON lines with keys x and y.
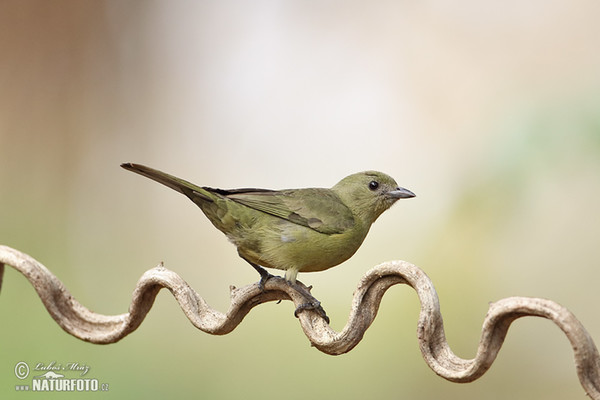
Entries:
{"x":84,"y":324}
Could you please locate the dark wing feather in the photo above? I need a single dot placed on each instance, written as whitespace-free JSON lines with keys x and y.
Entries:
{"x":318,"y":209}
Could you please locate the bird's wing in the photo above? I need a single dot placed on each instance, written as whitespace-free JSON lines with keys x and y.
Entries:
{"x":318,"y":209}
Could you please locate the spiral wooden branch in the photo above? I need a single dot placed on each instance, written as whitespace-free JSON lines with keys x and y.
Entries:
{"x":84,"y":324}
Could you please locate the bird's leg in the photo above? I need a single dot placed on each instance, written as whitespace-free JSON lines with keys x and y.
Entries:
{"x":311,"y":302}
{"x":264,"y":275}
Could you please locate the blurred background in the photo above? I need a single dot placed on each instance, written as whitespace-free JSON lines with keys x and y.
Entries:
{"x":488,"y":111}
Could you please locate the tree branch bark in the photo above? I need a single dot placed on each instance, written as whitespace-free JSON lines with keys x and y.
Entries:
{"x":86,"y":325}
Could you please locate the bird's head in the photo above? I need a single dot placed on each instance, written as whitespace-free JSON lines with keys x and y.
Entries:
{"x":370,"y":193}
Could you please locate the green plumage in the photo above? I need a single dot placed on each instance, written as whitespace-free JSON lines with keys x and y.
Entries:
{"x":296,"y":230}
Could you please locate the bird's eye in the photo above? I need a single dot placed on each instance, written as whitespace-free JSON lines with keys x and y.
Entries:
{"x":373,"y":185}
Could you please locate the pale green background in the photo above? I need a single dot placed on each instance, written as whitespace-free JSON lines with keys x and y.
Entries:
{"x":489,"y":111}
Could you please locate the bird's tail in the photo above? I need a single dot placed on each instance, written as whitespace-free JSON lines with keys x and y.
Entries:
{"x":178,"y":184}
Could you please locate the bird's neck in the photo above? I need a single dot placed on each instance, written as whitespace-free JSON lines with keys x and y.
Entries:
{"x":363,"y":211}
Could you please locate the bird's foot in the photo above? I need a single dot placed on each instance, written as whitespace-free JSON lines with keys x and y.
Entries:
{"x":263,"y":279}
{"x":311,"y":302}
{"x":313,"y":305}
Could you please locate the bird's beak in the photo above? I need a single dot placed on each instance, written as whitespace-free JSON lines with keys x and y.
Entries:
{"x":400,"y":193}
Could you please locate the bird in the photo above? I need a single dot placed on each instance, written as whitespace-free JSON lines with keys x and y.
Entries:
{"x":294,"y":230}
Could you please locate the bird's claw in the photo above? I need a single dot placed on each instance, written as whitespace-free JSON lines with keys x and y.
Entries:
{"x":314,"y":305}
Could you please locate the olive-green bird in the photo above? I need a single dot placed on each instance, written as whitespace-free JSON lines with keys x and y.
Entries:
{"x":295,"y":230}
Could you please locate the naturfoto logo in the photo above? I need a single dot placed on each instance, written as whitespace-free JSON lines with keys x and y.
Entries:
{"x":53,"y":377}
